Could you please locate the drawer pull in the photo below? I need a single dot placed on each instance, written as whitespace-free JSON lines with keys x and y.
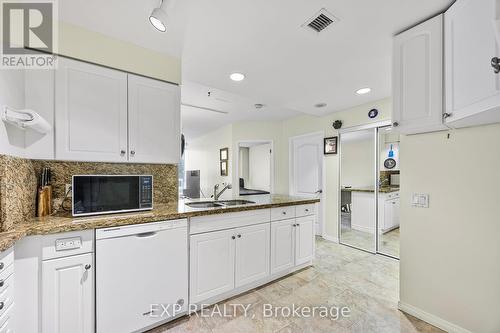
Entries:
{"x":2,"y":265}
{"x":2,"y":282}
{"x":87,"y":267}
{"x":2,"y":304}
{"x":284,"y":213}
{"x":307,"y":210}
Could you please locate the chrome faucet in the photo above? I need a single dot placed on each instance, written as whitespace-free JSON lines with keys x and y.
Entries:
{"x":218,"y":194}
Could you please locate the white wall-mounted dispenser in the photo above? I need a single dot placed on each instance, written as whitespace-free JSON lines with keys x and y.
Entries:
{"x":25,"y":119}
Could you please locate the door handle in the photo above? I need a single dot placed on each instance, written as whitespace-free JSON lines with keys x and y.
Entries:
{"x":319,"y":191}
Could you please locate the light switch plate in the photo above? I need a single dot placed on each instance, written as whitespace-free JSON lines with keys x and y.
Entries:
{"x":68,"y":244}
{"x":420,"y":200}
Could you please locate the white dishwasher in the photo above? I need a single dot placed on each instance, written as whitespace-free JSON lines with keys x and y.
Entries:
{"x":141,"y":275}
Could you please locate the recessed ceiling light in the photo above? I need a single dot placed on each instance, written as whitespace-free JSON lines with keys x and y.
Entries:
{"x":159,"y":17}
{"x":237,"y":77}
{"x":320,"y":105}
{"x":363,"y":91}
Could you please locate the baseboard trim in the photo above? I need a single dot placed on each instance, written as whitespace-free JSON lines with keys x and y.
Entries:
{"x":431,"y":319}
{"x":331,"y":239}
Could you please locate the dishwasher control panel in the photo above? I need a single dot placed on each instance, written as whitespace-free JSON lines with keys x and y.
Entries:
{"x":68,"y":243}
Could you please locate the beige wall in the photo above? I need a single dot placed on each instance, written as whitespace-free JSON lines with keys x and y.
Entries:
{"x":91,"y":46}
{"x":450,"y":252}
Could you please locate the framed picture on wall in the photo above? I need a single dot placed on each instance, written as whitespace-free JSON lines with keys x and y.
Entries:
{"x":223,"y":168}
{"x":331,"y":145}
{"x":224,"y":154}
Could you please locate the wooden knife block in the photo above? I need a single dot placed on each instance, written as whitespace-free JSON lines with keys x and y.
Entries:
{"x":44,"y":200}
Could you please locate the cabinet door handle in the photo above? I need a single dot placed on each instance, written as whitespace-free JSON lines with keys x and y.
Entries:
{"x":294,"y":225}
{"x":284,"y":213}
{"x":233,"y":237}
{"x":395,"y":124}
{"x":87,"y":267}
{"x":298,"y":224}
{"x":122,"y":152}
{"x":239,"y":236}
{"x":2,"y":282}
{"x":2,"y":304}
{"x":495,"y":63}
{"x":1,"y":265}
{"x":132,"y":152}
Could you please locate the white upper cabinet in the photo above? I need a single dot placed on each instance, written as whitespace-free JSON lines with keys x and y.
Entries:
{"x":418,"y":78}
{"x":472,"y":86}
{"x":105,"y":115}
{"x":90,"y":112}
{"x":154,"y":124}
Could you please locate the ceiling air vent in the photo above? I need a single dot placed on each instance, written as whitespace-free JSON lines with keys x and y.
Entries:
{"x":322,"y":20}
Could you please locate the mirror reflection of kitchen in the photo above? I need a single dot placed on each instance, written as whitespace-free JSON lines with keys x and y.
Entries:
{"x":357,"y":178}
{"x":388,"y":200}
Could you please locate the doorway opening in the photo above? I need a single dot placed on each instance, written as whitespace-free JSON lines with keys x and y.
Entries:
{"x":369,"y":189}
{"x":255,"y":167}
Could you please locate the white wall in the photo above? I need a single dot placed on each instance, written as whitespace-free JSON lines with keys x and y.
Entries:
{"x":450,"y":252}
{"x":203,"y":154}
{"x":259,"y":161}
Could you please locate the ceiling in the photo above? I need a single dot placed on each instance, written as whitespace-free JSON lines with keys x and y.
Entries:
{"x":287,"y":67}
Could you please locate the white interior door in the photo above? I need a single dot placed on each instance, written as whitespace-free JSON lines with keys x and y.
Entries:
{"x":306,"y":170}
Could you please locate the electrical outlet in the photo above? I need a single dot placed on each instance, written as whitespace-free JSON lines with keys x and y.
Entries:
{"x":68,"y":190}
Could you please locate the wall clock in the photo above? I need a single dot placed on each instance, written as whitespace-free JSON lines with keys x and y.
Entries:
{"x":390,"y":163}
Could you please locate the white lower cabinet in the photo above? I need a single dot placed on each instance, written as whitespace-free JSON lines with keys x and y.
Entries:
{"x":252,"y":254}
{"x":212,"y":264}
{"x":68,"y":294}
{"x":224,"y":263}
{"x":304,"y":239}
{"x":282,"y":245}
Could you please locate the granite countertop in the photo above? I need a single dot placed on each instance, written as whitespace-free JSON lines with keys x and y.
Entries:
{"x":383,"y":189}
{"x":65,"y":222}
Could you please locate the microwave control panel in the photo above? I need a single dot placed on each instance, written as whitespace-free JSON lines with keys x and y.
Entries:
{"x":146,"y":191}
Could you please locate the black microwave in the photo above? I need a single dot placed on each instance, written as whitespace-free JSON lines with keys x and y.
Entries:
{"x":105,"y":194}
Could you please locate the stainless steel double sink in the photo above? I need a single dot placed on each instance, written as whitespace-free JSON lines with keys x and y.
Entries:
{"x":220,"y":203}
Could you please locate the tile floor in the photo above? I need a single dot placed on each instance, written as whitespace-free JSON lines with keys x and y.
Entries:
{"x":341,"y":276}
{"x":389,"y":242}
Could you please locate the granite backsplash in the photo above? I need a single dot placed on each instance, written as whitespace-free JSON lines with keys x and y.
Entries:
{"x":18,"y":183}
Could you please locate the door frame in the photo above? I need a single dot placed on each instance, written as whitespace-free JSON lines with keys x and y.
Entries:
{"x":236,"y":163}
{"x":374,"y":126}
{"x":291,"y":182}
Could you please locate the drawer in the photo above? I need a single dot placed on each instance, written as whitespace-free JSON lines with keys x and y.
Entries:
{"x":306,"y":210}
{"x":6,"y":320}
{"x":67,"y":244}
{"x":282,"y":213}
{"x":6,"y":259}
{"x":7,"y":297}
{"x":6,"y":281}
